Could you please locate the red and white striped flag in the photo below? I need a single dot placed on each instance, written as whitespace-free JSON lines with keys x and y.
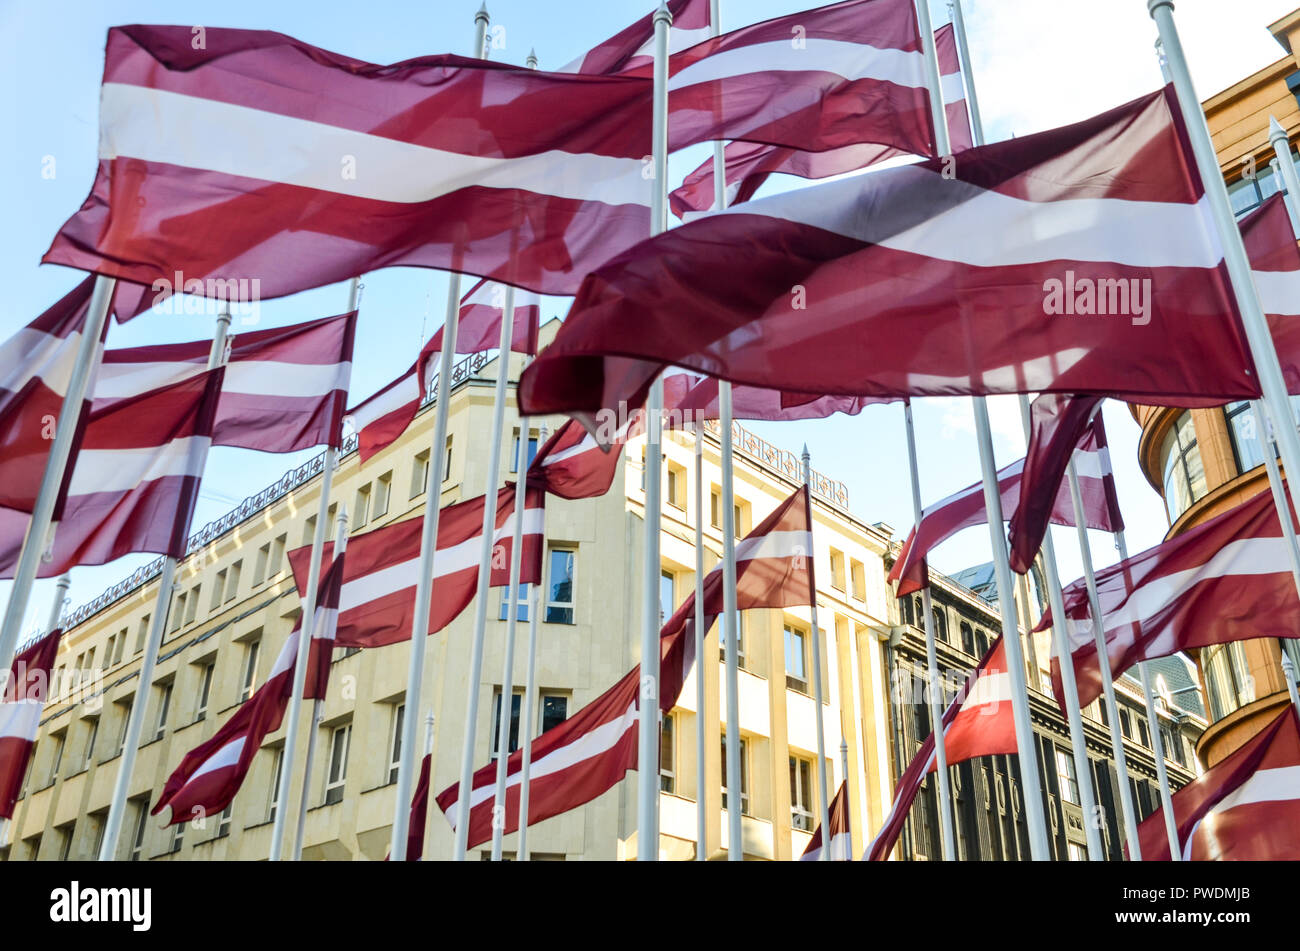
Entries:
{"x":210,"y":775}
{"x":816,"y":302}
{"x":589,"y":753}
{"x":22,"y":698}
{"x":748,"y":165}
{"x":380,"y":419}
{"x":690,"y":397}
{"x":1275,"y":265}
{"x":1062,"y":428}
{"x":441,"y":161}
{"x":1227,"y":579}
{"x":1243,"y":808}
{"x":572,"y":464}
{"x":978,"y":722}
{"x":419,"y":813}
{"x":135,"y":482}
{"x":376,"y":601}
{"x":479,"y":326}
{"x":324,"y":629}
{"x":633,"y":47}
{"x":837,"y":75}
{"x":841,"y":846}
{"x":284,"y":390}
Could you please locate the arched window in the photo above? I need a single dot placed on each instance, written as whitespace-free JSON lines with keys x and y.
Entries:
{"x":1228,"y":682}
{"x":1184,"y":473}
{"x":940,"y":626}
{"x":967,"y":638}
{"x":920,"y":611}
{"x":907,"y":611}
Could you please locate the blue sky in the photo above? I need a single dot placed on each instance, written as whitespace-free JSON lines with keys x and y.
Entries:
{"x":1037,"y":65}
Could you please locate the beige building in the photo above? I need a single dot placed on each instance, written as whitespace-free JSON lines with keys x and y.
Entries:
{"x":235,"y":603}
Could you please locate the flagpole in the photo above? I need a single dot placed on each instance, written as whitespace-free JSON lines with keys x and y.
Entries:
{"x":530,"y":691}
{"x":824,"y":793}
{"x":933,"y":691}
{"x":1254,"y":323}
{"x":701,"y":803}
{"x":844,"y":772}
{"x":1277,"y":138}
{"x":1107,"y":682}
{"x":56,"y":609}
{"x":648,"y":717}
{"x":968,"y":72}
{"x":166,"y":584}
{"x":1074,"y":715}
{"x":512,"y":614}
{"x":294,"y":714}
{"x":1288,"y":671}
{"x":318,"y":703}
{"x":406,"y":768}
{"x":1028,"y":757}
{"x":89,"y":353}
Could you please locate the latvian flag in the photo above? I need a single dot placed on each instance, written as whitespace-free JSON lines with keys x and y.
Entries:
{"x":589,"y":753}
{"x":841,"y":847}
{"x":25,"y":690}
{"x":376,"y":601}
{"x":1244,"y":808}
{"x":478,"y":326}
{"x":978,"y":722}
{"x":634,"y":46}
{"x":1227,"y":579}
{"x":382,"y":417}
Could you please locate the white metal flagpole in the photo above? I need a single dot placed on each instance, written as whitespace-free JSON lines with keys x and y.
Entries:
{"x":407,"y":768}
{"x":60,"y":595}
{"x":1277,"y":138}
{"x":1234,"y":252}
{"x":934,"y":695}
{"x":823,"y":800}
{"x":89,"y":353}
{"x":1028,"y":757}
{"x":1074,"y":716}
{"x":512,"y":615}
{"x":135,"y":721}
{"x":1107,"y":683}
{"x":648,"y":715}
{"x":701,"y":801}
{"x":294,"y":714}
{"x":1288,"y":672}
{"x":530,"y":692}
{"x":484,"y":578}
{"x":317,"y":707}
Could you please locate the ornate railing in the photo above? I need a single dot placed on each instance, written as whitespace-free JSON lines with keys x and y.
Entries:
{"x":252,"y":506}
{"x":783,"y":461}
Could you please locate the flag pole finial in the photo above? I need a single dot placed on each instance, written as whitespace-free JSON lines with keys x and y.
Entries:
{"x":806,"y":456}
{"x":663,"y":13}
{"x":1275,"y":130}
{"x":531,"y":62}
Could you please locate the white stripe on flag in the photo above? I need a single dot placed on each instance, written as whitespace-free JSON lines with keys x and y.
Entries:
{"x":20,"y":719}
{"x":1279,"y":784}
{"x":121,"y":470}
{"x":989,"y":687}
{"x":1089,"y":465}
{"x":1279,"y":291}
{"x":224,"y":757}
{"x":775,"y":545}
{"x":156,"y":125}
{"x":852,"y":61}
{"x":31,"y":353}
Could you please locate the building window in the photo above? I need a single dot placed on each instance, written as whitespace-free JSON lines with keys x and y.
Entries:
{"x":121,"y":644}
{"x":178,"y":837}
{"x":1228,"y":682}
{"x":141,"y":632}
{"x":516,"y":699}
{"x":715,"y":508}
{"x":1076,"y":852}
{"x":1173,"y":743}
{"x":223,"y":824}
{"x":395,"y":742}
{"x":92,"y":733}
{"x":137,"y":838}
{"x":383,"y":492}
{"x":740,"y":639}
{"x":125,"y":720}
{"x":555,"y":710}
{"x":217,"y":590}
{"x":178,"y":612}
{"x":205,"y":690}
{"x":361,"y":508}
{"x":273,"y":796}
{"x":108,"y":651}
{"x":420,"y":473}
{"x":164,"y":707}
{"x":446,"y":460}
{"x":514,"y":451}
{"x":744,"y":775}
{"x":1245,"y":437}
{"x":559,"y":591}
{"x":56,"y":760}
{"x":340,"y":739}
{"x":1184,"y":472}
{"x":1247,"y":194}
{"x":667,"y":605}
{"x":667,"y":755}
{"x":251,"y":651}
{"x":232,"y":580}
{"x":801,"y":795}
{"x":967,"y":638}
{"x":259,"y":566}
{"x":859,"y":575}
{"x":1065,"y":777}
{"x":675,"y":489}
{"x":940,"y":626}
{"x":64,"y":833}
{"x":521,"y":612}
{"x":277,"y":556}
{"x":309,"y":530}
{"x":837,"y":570}
{"x":908,"y":616}
{"x":1144,"y":732}
{"x":796,"y":659}
{"x":1125,"y":723}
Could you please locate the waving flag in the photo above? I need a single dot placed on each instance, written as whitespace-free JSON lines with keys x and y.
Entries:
{"x":841,"y":844}
{"x":634,"y":47}
{"x":441,"y":161}
{"x":324,"y":630}
{"x":210,"y":775}
{"x":1062,"y":428}
{"x":978,"y":722}
{"x":1227,"y":579}
{"x":913,"y":282}
{"x":1244,"y":808}
{"x":22,"y":699}
{"x":479,"y":327}
{"x":135,"y":482}
{"x":419,"y":813}
{"x":579,"y":759}
{"x":376,"y":601}
{"x":1275,"y":265}
{"x":379,"y":420}
{"x":748,"y":165}
{"x":284,"y":390}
